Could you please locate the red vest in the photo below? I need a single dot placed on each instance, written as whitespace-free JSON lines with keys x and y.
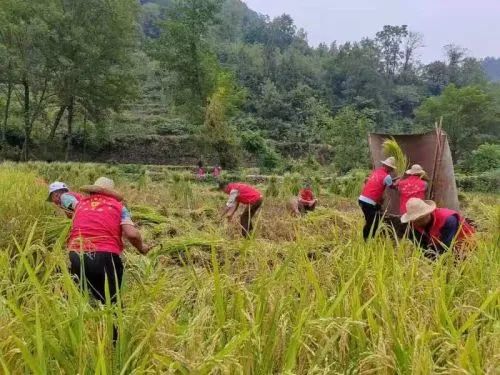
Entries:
{"x":306,"y":194}
{"x":97,"y":225}
{"x":374,"y":186}
{"x":247,"y":194}
{"x":410,"y":187}
{"x":439,"y":217}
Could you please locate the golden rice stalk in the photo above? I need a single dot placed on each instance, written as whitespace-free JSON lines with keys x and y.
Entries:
{"x":391,"y":148}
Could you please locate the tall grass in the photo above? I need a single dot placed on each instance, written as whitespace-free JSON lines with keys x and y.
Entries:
{"x":322,"y":302}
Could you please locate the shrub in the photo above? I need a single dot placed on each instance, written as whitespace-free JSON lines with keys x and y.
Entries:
{"x":485,"y":182}
{"x":485,"y":158}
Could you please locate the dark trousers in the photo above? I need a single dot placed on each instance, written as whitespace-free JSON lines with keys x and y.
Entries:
{"x":372,"y":218}
{"x":99,"y":269}
{"x":247,"y":216}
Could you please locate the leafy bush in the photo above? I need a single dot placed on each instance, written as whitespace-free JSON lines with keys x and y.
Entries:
{"x":485,"y":182}
{"x":485,"y":158}
{"x":174,"y":126}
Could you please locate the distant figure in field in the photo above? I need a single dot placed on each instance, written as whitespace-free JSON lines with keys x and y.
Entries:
{"x":200,"y":172}
{"x":95,"y":240}
{"x":372,"y":195}
{"x":217,"y":171}
{"x":60,"y":195}
{"x":412,"y":186}
{"x":240,"y":193}
{"x":437,"y":230}
{"x":304,"y":202}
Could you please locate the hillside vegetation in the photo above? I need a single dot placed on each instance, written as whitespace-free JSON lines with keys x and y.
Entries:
{"x":77,"y":78}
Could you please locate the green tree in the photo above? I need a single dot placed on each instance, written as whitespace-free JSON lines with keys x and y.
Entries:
{"x":186,"y":54}
{"x":348,"y":132}
{"x":222,"y":105}
{"x":485,"y":158}
{"x":94,"y":42}
{"x":24,"y":33}
{"x":468,"y":115}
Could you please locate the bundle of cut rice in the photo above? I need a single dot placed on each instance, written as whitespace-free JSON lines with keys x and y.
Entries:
{"x":391,"y":148}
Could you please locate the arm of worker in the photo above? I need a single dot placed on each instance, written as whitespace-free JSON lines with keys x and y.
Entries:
{"x":68,"y":204}
{"x":131,"y":233}
{"x":423,"y":241}
{"x":390,"y":182}
{"x":232,"y":204}
{"x":448,"y":232}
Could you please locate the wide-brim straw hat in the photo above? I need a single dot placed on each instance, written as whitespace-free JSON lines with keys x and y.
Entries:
{"x":105,"y":186}
{"x":390,"y":162}
{"x":416,"y":169}
{"x":417,"y":208}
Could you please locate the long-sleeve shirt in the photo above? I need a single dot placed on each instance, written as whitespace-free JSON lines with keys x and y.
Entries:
{"x":447,"y":234}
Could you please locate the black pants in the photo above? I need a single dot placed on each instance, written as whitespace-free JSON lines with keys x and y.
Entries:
{"x":372,"y":218}
{"x":98,"y":268}
{"x":247,"y":216}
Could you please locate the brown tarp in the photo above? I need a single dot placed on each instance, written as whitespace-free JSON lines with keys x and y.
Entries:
{"x":432,"y":152}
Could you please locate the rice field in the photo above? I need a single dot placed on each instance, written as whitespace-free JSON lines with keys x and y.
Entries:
{"x":302,"y":296}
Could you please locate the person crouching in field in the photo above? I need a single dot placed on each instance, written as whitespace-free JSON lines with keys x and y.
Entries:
{"x":372,"y":195}
{"x":438,"y":229}
{"x":60,"y":195}
{"x":304,"y":202}
{"x":413,"y":186}
{"x":95,"y":240}
{"x":240,"y":193}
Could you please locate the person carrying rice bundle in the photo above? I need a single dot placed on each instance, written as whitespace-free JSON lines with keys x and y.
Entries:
{"x":372,"y":195}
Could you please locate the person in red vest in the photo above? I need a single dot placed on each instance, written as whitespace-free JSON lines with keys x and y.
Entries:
{"x":60,"y":195}
{"x":372,"y":195}
{"x":240,"y":193}
{"x":95,"y":240}
{"x":437,"y":229}
{"x":217,"y":172}
{"x":305,"y":201}
{"x":413,"y":186}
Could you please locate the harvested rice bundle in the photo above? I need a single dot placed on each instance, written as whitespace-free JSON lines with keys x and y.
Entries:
{"x":392,"y":148}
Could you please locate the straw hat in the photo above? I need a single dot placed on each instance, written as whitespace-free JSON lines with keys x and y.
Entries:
{"x":390,"y":162}
{"x":417,"y":208}
{"x":103,"y":185}
{"x":416,"y":169}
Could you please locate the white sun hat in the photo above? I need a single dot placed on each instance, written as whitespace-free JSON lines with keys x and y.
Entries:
{"x":56,"y":186}
{"x":105,"y":186}
{"x":390,"y":162}
{"x":416,"y":169}
{"x":417,"y":208}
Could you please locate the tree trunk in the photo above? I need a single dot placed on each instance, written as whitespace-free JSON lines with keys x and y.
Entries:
{"x":71,"y":109}
{"x":27,"y":120}
{"x":55,"y":125}
{"x":6,"y":114}
{"x":84,"y":136}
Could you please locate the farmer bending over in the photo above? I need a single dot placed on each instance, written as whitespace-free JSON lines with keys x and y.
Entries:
{"x":372,"y":195}
{"x":304,"y":202}
{"x":240,"y":193}
{"x":437,"y":229}
{"x":413,"y":186}
{"x":95,"y":240}
{"x":60,"y":195}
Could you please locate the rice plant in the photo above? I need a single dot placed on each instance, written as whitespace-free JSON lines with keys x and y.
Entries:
{"x":304,"y":296}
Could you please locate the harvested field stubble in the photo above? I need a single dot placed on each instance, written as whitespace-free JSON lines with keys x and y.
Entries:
{"x":304,"y":295}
